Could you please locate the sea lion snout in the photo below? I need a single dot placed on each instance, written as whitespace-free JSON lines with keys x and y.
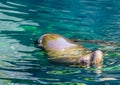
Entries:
{"x":36,"y":42}
{"x":39,"y":41}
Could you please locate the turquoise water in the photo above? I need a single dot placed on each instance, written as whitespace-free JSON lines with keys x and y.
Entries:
{"x":23,"y":21}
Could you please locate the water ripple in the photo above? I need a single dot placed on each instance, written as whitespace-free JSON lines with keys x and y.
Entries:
{"x":22,"y":22}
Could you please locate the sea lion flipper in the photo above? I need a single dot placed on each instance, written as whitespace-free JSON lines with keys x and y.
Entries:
{"x":100,"y":42}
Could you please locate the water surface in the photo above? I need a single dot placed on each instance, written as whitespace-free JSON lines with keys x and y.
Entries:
{"x":23,"y":21}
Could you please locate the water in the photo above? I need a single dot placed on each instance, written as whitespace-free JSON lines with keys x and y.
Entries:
{"x":23,"y":21}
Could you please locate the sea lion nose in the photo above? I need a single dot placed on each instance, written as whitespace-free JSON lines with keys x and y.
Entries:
{"x":36,"y":42}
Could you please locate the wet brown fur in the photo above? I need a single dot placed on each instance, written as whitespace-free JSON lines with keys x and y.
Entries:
{"x":69,"y":56}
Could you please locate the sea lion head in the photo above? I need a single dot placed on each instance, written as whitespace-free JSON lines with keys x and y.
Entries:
{"x":53,"y":42}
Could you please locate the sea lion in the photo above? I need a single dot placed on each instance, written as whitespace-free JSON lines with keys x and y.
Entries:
{"x":62,"y":50}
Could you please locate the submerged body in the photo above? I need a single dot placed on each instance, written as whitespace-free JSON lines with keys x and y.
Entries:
{"x":62,"y":50}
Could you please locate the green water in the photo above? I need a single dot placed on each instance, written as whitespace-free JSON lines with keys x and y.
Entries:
{"x":22,"y":22}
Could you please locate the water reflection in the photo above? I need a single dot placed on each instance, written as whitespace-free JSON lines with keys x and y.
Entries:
{"x":22,"y":22}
